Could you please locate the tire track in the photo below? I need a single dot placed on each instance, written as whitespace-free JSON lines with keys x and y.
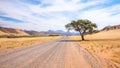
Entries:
{"x":95,"y":60}
{"x":61,"y":53}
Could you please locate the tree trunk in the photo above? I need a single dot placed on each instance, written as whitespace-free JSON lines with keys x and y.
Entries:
{"x":82,"y":36}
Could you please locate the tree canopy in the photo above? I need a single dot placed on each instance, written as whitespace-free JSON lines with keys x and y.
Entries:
{"x":82,"y":26}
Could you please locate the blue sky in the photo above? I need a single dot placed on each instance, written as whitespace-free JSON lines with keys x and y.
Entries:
{"x":43,"y":15}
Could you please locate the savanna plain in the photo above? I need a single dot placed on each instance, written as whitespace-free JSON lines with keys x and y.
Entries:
{"x":63,"y":52}
{"x":9,"y":44}
{"x":105,"y":43}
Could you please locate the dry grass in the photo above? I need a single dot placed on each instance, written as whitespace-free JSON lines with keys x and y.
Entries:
{"x":105,"y":44}
{"x":10,"y":43}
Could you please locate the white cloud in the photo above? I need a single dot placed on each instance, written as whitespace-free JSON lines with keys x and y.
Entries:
{"x":62,"y":5}
{"x":50,"y":13}
{"x":103,"y":17}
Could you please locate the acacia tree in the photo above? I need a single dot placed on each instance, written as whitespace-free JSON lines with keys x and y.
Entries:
{"x":82,"y":26}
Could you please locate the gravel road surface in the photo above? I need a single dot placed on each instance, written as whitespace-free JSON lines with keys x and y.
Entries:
{"x":62,"y":53}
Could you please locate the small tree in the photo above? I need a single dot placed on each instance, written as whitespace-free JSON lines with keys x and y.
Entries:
{"x":82,"y":26}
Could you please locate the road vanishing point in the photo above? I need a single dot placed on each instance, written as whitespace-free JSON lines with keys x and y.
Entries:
{"x":62,"y":53}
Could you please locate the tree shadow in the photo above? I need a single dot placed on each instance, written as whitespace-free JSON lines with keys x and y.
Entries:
{"x":72,"y":40}
{"x":89,"y":40}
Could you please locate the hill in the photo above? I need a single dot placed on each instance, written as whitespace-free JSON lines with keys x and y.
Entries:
{"x":12,"y":31}
{"x":111,"y":27}
{"x":36,"y":33}
{"x":108,"y":32}
{"x":111,"y":34}
{"x":49,"y":32}
{"x":104,"y":43}
{"x":18,"y":32}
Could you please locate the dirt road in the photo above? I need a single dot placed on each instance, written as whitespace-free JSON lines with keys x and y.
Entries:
{"x":61,"y":53}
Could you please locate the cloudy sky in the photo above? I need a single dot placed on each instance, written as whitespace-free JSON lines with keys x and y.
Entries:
{"x":42,"y":15}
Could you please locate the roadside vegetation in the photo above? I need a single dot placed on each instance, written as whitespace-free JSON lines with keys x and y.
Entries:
{"x":13,"y":36}
{"x":105,"y":43}
{"x":29,"y":36}
{"x":54,"y":35}
{"x":10,"y":43}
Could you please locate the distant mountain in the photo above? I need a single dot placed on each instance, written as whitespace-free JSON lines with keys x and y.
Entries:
{"x":61,"y":32}
{"x":55,"y":32}
{"x":12,"y":31}
{"x":111,"y":27}
{"x":19,"y":32}
{"x":36,"y":33}
{"x":50,"y":32}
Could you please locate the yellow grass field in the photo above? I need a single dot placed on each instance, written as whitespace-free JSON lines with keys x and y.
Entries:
{"x":105,"y":43}
{"x":11,"y":43}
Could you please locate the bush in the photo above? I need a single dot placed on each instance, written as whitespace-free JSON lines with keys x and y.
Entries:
{"x":53,"y":35}
{"x":12,"y":36}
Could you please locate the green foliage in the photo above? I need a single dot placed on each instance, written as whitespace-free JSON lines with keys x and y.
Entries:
{"x":82,"y":26}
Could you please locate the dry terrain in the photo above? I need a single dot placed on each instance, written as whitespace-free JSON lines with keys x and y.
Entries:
{"x":7,"y":44}
{"x":61,"y":53}
{"x":106,"y":44}
{"x":12,"y":31}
